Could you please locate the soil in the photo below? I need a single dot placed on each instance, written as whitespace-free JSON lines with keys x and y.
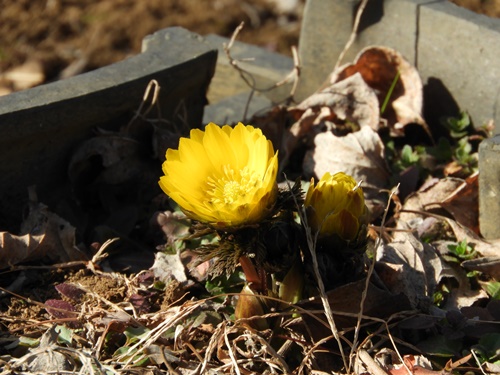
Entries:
{"x":59,"y":38}
{"x":66,"y":37}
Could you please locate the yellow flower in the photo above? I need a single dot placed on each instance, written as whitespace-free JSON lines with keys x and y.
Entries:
{"x":338,"y":203}
{"x":225,"y":176}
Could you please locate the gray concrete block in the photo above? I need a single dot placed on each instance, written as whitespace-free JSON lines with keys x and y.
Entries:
{"x":231,"y":110}
{"x":326,"y":26}
{"x":264,"y":67}
{"x":40,"y":127}
{"x":489,"y":188}
{"x":455,"y":50}
{"x":462,"y":49}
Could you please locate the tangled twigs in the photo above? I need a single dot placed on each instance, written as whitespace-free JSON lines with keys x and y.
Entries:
{"x":249,"y":79}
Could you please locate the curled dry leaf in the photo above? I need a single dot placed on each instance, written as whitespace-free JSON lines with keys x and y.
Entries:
{"x":342,"y":107}
{"x":46,"y":236}
{"x":359,"y":154}
{"x":379,"y":67}
{"x":458,"y":197}
{"x":409,"y":266}
{"x":463,"y":203}
{"x":350,"y":101}
{"x":168,"y":267}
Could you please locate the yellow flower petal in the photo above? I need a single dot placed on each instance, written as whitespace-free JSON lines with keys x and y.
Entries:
{"x":223,"y":176}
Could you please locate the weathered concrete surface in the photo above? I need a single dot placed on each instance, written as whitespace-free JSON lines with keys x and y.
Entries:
{"x":456,"y":51}
{"x":236,"y":108}
{"x":263,"y":67}
{"x":489,"y":188}
{"x":40,"y":127}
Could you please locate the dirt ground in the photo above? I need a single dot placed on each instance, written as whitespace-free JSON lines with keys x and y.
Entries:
{"x":64,"y":37}
{"x":45,"y":40}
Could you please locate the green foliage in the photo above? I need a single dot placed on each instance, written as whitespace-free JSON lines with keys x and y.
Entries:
{"x":493,"y":289}
{"x":487,"y":349}
{"x":222,"y":285}
{"x":462,"y":251}
{"x":389,"y":93}
{"x":464,"y":155}
{"x":458,"y":127}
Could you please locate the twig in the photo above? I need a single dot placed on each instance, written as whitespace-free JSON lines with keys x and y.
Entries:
{"x":368,"y":276}
{"x":231,"y":354}
{"x":478,"y":361}
{"x":354,"y":33}
{"x":311,"y":243}
{"x":372,"y":366}
{"x":293,"y":76}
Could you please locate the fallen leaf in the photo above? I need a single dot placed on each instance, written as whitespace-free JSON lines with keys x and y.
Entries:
{"x":46,"y":235}
{"x":168,"y":267}
{"x":60,"y":309}
{"x":359,"y":154}
{"x":343,"y":107}
{"x":409,"y":266}
{"x":379,"y":67}
{"x":487,"y":265}
{"x":427,"y":199}
{"x":345,"y":304}
{"x":349,"y":101}
{"x":70,"y":291}
{"x":463,"y":203}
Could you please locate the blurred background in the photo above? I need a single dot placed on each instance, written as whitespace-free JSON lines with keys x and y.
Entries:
{"x":46,"y":40}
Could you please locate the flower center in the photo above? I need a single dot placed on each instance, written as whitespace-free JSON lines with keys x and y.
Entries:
{"x":231,"y":186}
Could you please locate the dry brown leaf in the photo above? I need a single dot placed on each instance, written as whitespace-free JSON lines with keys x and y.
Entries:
{"x":359,"y":154}
{"x":379,"y":67}
{"x":487,"y":265}
{"x":409,"y":266}
{"x":348,"y":101}
{"x":341,"y":108}
{"x":463,"y":203}
{"x":169,"y":267}
{"x":345,"y":303}
{"x":429,"y":197}
{"x":46,"y":236}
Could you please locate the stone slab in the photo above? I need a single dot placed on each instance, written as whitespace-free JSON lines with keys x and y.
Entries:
{"x":231,"y":109}
{"x":40,"y":127}
{"x":266,"y":68}
{"x":455,"y":50}
{"x":489,"y":188}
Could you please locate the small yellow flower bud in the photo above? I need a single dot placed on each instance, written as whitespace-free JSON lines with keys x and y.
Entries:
{"x":335,"y":206}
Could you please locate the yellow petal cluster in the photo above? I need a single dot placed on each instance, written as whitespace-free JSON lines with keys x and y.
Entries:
{"x":335,"y":206}
{"x":223,"y":176}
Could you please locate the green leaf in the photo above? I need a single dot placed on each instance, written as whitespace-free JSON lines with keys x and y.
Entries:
{"x":489,"y":346}
{"x":65,"y":335}
{"x":440,"y":346}
{"x":457,"y":125}
{"x":493,"y":289}
{"x":134,"y":334}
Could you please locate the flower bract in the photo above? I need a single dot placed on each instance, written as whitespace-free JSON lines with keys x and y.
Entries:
{"x":335,"y":206}
{"x":223,"y":176}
